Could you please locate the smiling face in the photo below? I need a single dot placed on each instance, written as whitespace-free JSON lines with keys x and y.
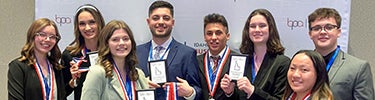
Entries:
{"x":161,"y":22}
{"x":120,"y":44}
{"x":87,"y":25}
{"x":43,"y":42}
{"x":325,"y":39}
{"x":259,"y":29}
{"x":301,"y":74}
{"x":216,"y":37}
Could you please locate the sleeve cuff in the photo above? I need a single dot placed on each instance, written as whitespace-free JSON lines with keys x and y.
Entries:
{"x":191,"y":97}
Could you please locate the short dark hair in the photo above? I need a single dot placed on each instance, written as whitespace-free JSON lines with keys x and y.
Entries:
{"x":161,"y":4}
{"x":321,"y":13}
{"x":216,"y":18}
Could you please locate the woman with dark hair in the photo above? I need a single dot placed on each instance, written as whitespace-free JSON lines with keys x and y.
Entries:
{"x":37,"y":75}
{"x":88,"y":22}
{"x":116,"y":71}
{"x":307,"y":78}
{"x":266,"y":76}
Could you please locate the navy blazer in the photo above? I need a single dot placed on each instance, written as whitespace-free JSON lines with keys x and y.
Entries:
{"x":181,"y":62}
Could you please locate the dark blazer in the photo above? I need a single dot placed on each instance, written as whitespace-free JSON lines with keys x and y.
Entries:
{"x":219,"y":94}
{"x":270,"y":82}
{"x":24,"y":84}
{"x":65,"y":61}
{"x":350,"y":78}
{"x":181,"y":62}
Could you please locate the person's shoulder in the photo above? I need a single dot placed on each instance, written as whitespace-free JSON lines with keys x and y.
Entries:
{"x":144,"y":44}
{"x":183,"y":46}
{"x":235,"y":52}
{"x":352,"y":58}
{"x":18,"y":62}
{"x":282,"y":56}
{"x":97,"y":68}
{"x":15,"y":63}
{"x":66,"y":51}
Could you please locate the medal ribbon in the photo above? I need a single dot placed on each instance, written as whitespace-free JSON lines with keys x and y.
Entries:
{"x":294,"y":95}
{"x":80,"y":60}
{"x":128,"y":88}
{"x":213,"y":78}
{"x":47,"y":86}
{"x":171,"y":91}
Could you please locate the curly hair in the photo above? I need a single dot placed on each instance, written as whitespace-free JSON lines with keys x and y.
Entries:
{"x":79,"y":43}
{"x":27,"y":52}
{"x":273,"y":43}
{"x":105,"y":56}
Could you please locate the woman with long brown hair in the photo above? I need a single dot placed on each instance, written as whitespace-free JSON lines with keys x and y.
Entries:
{"x":116,"y":71}
{"x":37,"y":75}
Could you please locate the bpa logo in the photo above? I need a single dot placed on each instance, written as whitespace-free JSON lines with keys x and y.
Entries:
{"x":63,"y":20}
{"x":296,"y":23}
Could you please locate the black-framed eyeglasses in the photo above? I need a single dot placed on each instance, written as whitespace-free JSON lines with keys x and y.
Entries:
{"x":327,"y":28}
{"x":45,"y":36}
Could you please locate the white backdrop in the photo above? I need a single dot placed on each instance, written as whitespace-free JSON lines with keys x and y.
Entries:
{"x":290,"y":16}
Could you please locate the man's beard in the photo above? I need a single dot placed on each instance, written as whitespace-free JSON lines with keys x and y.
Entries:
{"x":167,"y":34}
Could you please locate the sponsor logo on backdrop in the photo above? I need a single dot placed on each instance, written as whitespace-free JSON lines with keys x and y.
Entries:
{"x":296,"y":23}
{"x":200,"y":47}
{"x":61,"y":20}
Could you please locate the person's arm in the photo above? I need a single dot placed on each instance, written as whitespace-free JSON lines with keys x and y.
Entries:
{"x":279,"y":83}
{"x":363,"y":86}
{"x":15,"y":81}
{"x":94,"y":84}
{"x":192,"y":76}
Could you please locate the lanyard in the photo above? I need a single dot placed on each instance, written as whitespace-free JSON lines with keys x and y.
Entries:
{"x":128,"y":87}
{"x":329,"y":65}
{"x":213,"y":78}
{"x":151,"y":49}
{"x":253,"y":74}
{"x":47,"y":86}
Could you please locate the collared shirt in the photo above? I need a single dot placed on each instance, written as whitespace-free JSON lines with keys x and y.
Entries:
{"x":164,"y":45}
{"x":221,"y":54}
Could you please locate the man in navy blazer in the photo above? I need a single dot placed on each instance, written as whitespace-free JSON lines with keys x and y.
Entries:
{"x":350,"y":78}
{"x":182,"y":66}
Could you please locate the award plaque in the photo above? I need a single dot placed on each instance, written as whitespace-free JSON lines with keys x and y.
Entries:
{"x":237,"y":66}
{"x":158,"y":71}
{"x":93,"y":57}
{"x":146,"y":94}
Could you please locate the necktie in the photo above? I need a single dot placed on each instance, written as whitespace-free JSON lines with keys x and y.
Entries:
{"x":158,"y":52}
{"x":216,"y":61}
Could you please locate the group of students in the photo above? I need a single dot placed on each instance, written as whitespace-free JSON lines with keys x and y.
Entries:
{"x":121,"y":66}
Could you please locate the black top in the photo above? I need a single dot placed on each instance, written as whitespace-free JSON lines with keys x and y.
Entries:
{"x":65,"y":61}
{"x":24,"y":83}
{"x":270,"y":82}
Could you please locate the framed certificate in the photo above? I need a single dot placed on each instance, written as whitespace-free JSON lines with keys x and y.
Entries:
{"x":146,"y":94}
{"x":237,"y":66}
{"x":158,"y":71}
